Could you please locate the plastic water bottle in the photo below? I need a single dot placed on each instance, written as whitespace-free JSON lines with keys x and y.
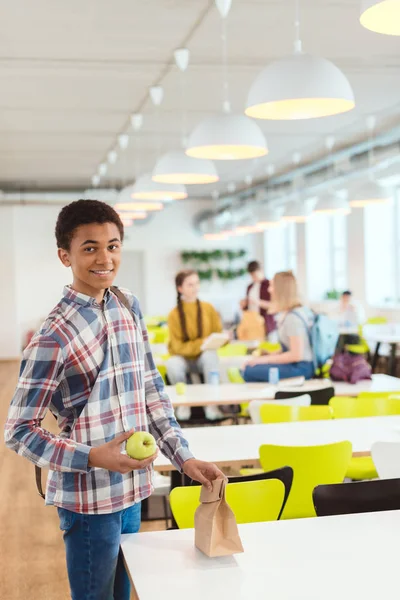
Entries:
{"x":213,"y":377}
{"x":273,"y":376}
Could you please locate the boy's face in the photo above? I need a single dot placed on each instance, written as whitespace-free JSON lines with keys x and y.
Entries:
{"x":94,"y":257}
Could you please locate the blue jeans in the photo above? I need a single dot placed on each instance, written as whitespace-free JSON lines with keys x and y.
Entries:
{"x":94,"y":559}
{"x":261,"y":372}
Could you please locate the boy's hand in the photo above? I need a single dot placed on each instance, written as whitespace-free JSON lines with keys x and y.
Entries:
{"x":108,"y":456}
{"x":203,"y":472}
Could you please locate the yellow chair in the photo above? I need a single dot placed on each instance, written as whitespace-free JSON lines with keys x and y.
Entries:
{"x":270,"y":347}
{"x":312,"y":466}
{"x":232,"y":350}
{"x":161,"y":334}
{"x":276,"y":413}
{"x":368,"y":404}
{"x":251,"y":501}
{"x":377,"y":321}
{"x":234,"y":375}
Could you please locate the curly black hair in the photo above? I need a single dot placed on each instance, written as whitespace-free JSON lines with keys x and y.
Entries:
{"x":84,"y":212}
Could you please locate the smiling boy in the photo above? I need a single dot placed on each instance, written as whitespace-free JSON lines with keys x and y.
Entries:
{"x":92,"y":366}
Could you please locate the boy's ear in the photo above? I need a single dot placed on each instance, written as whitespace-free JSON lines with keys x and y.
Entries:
{"x":63,"y":255}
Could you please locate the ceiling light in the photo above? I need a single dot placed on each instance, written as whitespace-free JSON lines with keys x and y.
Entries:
{"x":95,"y":180}
{"x":299,"y":86}
{"x":332,"y":204}
{"x":102,"y":169}
{"x":177,"y":167}
{"x":127,"y":222}
{"x":227,"y":137}
{"x":112,"y":157}
{"x":123,"y":141}
{"x":297,"y":212}
{"x":139,"y":206}
{"x":270,"y":218}
{"x":381,"y":16}
{"x":368,"y":193}
{"x":147,"y":189}
{"x":133,"y":215}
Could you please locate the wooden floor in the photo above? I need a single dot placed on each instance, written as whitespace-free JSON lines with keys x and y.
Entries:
{"x":32,"y":560}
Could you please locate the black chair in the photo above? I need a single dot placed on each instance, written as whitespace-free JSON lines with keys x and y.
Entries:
{"x":360,"y":497}
{"x":318,"y":397}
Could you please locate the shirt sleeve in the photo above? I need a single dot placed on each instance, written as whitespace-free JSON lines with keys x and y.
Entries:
{"x":176,"y":344}
{"x":162,"y":423}
{"x":294,"y":326}
{"x":41,"y":375}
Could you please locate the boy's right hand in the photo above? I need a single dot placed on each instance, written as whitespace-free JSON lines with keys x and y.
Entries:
{"x":108,"y":456}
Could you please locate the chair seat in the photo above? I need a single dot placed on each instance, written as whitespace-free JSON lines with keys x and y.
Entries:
{"x":361,"y":467}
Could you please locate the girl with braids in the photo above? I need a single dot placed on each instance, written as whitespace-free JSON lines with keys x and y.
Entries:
{"x":190,"y":323}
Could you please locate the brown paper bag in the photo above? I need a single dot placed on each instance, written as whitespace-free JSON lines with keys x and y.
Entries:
{"x":216,"y":530}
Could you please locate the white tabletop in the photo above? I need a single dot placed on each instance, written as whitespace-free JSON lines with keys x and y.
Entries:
{"x":239,"y":444}
{"x":346,"y":557}
{"x":236,"y":393}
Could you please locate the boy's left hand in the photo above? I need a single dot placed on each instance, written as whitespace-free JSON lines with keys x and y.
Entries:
{"x":201,"y":471}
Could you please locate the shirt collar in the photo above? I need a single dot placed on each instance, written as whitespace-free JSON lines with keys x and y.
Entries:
{"x":83,"y":299}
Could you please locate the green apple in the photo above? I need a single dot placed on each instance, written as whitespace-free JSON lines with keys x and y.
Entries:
{"x":141,"y":445}
{"x":180,"y":388}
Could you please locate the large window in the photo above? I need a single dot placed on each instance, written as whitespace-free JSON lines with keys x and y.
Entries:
{"x":280,"y":249}
{"x":382,"y":253}
{"x":326,"y":256}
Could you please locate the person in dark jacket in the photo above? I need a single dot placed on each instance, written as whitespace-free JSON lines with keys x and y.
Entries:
{"x":257,"y":295}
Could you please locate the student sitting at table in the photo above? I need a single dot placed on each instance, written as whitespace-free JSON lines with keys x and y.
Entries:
{"x":190,"y":323}
{"x":294,"y":321}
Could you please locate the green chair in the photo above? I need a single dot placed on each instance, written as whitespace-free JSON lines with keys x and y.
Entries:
{"x":275,"y":413}
{"x":270,"y":347}
{"x":251,"y":501}
{"x":161,"y":334}
{"x":368,"y":404}
{"x":234,"y":375}
{"x":232,"y":350}
{"x":312,"y":466}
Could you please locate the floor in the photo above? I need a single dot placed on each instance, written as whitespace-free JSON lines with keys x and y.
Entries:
{"x":32,"y":563}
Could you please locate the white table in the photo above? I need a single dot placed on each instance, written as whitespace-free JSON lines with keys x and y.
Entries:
{"x":239,"y":445}
{"x":346,"y":557}
{"x":236,"y":393}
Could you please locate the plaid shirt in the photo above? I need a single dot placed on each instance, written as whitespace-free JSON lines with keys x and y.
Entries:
{"x":92,"y":366}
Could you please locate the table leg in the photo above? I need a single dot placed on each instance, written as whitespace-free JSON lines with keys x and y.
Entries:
{"x":392,"y":360}
{"x":376,"y":356}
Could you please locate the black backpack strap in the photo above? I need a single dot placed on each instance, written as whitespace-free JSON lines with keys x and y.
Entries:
{"x":122,"y":298}
{"x":38,"y":476}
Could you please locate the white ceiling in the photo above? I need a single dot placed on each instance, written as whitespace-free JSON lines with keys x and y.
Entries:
{"x":72,"y":72}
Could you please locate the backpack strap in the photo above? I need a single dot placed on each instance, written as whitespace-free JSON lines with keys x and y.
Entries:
{"x":308,"y":329}
{"x":124,"y":300}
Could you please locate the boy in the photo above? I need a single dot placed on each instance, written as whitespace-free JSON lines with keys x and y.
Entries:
{"x":92,"y":366}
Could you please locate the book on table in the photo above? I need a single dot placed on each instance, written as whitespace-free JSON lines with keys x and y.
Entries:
{"x":215,"y":341}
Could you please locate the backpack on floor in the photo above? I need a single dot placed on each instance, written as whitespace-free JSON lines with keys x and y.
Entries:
{"x":350,"y":367}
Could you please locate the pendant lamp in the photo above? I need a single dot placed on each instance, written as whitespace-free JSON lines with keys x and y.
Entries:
{"x":296,"y":212}
{"x":368,"y":193}
{"x":381,"y":16}
{"x":300,"y":86}
{"x":269,"y":219}
{"x":177,"y":167}
{"x":332,"y":204}
{"x":146,"y":189}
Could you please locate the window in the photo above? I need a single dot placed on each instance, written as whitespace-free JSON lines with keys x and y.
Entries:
{"x":382,"y":253}
{"x":280,"y":249}
{"x":326,"y":256}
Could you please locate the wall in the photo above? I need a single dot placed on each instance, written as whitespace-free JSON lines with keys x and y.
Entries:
{"x":34,"y":277}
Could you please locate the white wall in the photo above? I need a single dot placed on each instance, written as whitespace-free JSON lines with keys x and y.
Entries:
{"x":34,"y":277}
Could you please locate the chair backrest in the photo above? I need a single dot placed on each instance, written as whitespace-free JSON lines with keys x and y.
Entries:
{"x":251,"y":501}
{"x":234,"y":375}
{"x":254,"y":406}
{"x":377,"y":321}
{"x":232,"y":350}
{"x":319,"y":397}
{"x":276,"y":413}
{"x":386,"y":457}
{"x":366,"y":395}
{"x":312,"y":466}
{"x":350,"y":408}
{"x":364,"y":496}
{"x":270,"y":346}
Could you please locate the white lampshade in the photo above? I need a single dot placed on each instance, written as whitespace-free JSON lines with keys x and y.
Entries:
{"x":269,"y":218}
{"x":177,"y":167}
{"x":215,"y":237}
{"x":134,"y":215}
{"x":368,"y":193}
{"x":331,"y":204}
{"x":127,"y":222}
{"x":297,"y":212}
{"x":299,"y":86}
{"x":381,"y":16}
{"x":227,"y":137}
{"x":125,"y":202}
{"x":145,"y":188}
